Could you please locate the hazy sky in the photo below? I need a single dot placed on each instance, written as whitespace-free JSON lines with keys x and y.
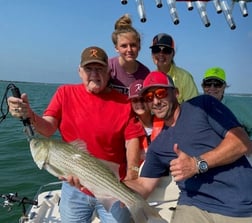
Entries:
{"x":41,"y":40}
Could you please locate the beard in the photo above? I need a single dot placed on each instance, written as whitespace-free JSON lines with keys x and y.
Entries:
{"x":168,"y":110}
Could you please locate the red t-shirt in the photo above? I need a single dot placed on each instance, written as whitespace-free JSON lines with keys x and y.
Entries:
{"x":103,"y":121}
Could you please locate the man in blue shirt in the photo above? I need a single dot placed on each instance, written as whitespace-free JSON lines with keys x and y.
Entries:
{"x":203,"y":146}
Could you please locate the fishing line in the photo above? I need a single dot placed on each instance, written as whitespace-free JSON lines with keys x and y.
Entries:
{"x":5,"y":109}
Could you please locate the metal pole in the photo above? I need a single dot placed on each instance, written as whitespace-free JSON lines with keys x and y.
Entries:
{"x":201,"y":6}
{"x":228,"y":14}
{"x":173,"y":11}
{"x":141,"y":11}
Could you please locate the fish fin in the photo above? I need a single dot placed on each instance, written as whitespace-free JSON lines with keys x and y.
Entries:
{"x":104,"y":198}
{"x":142,"y":212}
{"x":80,"y":145}
{"x":107,"y":202}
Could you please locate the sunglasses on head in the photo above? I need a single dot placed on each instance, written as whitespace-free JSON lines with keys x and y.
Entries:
{"x":163,"y":49}
{"x":159,"y":93}
{"x":215,"y":83}
{"x":136,"y":100}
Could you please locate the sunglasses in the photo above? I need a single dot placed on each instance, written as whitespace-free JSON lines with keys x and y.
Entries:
{"x":97,"y":70}
{"x":136,"y":100}
{"x":159,"y":93}
{"x":163,"y":49}
{"x":216,"y":84}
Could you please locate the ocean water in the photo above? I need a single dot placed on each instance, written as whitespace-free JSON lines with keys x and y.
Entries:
{"x":18,"y":171}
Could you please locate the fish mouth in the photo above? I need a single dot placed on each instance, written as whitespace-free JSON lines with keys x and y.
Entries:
{"x":41,"y":165}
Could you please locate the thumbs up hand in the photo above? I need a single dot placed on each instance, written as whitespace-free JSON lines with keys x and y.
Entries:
{"x":184,"y":166}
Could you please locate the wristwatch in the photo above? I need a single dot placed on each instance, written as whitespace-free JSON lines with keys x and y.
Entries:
{"x":201,"y":164}
{"x":134,"y":168}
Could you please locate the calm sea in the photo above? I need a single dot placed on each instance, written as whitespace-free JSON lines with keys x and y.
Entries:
{"x":18,"y":171}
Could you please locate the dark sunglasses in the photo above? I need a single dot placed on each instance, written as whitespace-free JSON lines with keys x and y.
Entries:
{"x":163,"y":49}
{"x":136,"y":100}
{"x":216,"y":84}
{"x":159,"y":93}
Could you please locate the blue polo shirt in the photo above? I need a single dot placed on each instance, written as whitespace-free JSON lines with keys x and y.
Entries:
{"x":200,"y":127}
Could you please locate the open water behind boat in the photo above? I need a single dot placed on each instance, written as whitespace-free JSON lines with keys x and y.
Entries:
{"x":18,"y":171}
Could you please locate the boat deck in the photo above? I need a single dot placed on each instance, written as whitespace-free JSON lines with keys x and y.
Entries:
{"x":164,"y":198}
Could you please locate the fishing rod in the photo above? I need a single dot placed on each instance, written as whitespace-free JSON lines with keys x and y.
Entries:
{"x":11,"y":198}
{"x":26,"y":121}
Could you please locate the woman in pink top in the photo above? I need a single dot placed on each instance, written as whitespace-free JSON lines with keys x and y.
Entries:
{"x":125,"y":68}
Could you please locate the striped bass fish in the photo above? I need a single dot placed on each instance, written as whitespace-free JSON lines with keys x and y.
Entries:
{"x":65,"y":159}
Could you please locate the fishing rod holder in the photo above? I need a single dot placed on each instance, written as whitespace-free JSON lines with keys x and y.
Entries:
{"x":173,"y":11}
{"x":221,"y":6}
{"x":141,"y":10}
{"x":11,"y":198}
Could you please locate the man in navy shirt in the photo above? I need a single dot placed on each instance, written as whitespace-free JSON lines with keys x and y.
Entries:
{"x":203,"y":147}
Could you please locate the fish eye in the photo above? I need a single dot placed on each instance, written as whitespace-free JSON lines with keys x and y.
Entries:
{"x":36,"y":143}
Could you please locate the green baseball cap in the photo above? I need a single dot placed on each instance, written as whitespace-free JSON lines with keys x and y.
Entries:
{"x":215,"y":73}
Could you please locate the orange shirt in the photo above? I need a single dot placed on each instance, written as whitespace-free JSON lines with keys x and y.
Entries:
{"x":144,"y":141}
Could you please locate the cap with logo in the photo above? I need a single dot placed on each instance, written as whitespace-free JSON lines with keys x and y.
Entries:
{"x":134,"y":89}
{"x":94,"y":54}
{"x":157,"y":79}
{"x":215,"y":73}
{"x":163,"y":39}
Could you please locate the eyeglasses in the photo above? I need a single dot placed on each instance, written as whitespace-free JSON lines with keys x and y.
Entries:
{"x":97,"y":70}
{"x":159,"y":93}
{"x":163,"y":49}
{"x":216,"y":84}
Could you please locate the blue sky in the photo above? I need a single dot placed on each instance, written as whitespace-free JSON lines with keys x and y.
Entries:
{"x":41,"y":41}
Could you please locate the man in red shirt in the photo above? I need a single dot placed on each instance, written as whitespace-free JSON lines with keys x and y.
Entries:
{"x":100,"y":116}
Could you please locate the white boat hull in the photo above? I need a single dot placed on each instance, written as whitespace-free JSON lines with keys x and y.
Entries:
{"x":164,"y":198}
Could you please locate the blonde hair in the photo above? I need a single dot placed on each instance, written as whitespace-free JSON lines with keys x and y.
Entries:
{"x":124,"y":25}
